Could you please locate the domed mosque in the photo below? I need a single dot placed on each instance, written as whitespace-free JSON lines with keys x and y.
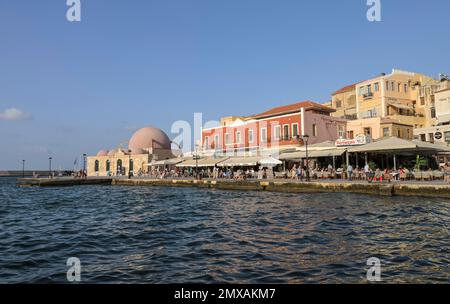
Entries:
{"x":146,"y":145}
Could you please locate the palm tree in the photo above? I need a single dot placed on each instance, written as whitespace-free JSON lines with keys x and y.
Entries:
{"x":419,"y":163}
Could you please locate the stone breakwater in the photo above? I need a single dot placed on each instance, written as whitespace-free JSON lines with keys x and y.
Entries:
{"x":284,"y":186}
{"x":398,"y":189}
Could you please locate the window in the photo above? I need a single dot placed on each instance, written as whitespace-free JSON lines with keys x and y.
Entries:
{"x":206,"y":142}
{"x":431,"y":135}
{"x":377,"y":87}
{"x":392,"y":86}
{"x":368,"y":131}
{"x":341,"y":132}
{"x":238,"y":137}
{"x":96,"y":166}
{"x":286,"y":132}
{"x":399,"y":133}
{"x":447,"y":136}
{"x":433,"y":112}
{"x":423,"y":137}
{"x":338,"y":103}
{"x":387,"y":85}
{"x":350,"y":135}
{"x":369,"y":89}
{"x":399,"y":87}
{"x":277,"y":132}
{"x":108,"y":166}
{"x":250,"y":136}
{"x":227,"y":139}
{"x":386,"y":132}
{"x":422,"y":101}
{"x":295,"y":130}
{"x":216,"y":141}
{"x":263,"y":135}
{"x":314,"y":129}
{"x":405,"y":88}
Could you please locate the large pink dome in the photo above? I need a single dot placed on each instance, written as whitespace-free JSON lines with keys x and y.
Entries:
{"x":147,"y":138}
{"x":102,"y":153}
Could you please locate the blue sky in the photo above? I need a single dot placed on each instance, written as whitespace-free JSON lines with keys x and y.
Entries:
{"x":81,"y":87}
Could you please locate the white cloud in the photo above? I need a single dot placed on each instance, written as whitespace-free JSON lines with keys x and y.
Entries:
{"x":14,"y":114}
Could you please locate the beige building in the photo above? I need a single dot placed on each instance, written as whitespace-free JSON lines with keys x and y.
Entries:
{"x":440,"y":132}
{"x":378,"y":127}
{"x":146,"y":145}
{"x":344,"y":102}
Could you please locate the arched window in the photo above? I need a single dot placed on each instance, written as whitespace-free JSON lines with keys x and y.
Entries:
{"x":131,"y":165}
{"x":119,"y":167}
{"x":108,"y":166}
{"x":96,"y":166}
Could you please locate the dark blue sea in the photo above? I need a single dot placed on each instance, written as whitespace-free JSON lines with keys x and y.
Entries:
{"x":180,"y":235}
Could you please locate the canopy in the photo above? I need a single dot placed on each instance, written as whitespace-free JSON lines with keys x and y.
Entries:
{"x":165,"y":162}
{"x":313,"y":154}
{"x":393,"y":144}
{"x":202,"y":162}
{"x":250,"y":161}
{"x":270,"y":162}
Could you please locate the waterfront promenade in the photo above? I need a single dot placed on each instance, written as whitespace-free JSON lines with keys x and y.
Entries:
{"x":397,"y":188}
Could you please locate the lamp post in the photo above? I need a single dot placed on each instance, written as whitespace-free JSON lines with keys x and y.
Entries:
{"x":305,"y":140}
{"x":84,"y":166}
{"x":49,"y":167}
{"x":23,"y":168}
{"x":196,"y":156}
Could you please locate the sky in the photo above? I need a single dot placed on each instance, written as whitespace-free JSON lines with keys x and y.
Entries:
{"x":68,"y":88}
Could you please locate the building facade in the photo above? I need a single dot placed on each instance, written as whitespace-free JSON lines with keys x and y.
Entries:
{"x":278,"y":129}
{"x":146,"y":145}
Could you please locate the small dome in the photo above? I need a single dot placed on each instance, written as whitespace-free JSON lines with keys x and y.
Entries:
{"x":102,"y":153}
{"x":112,"y":152}
{"x":148,"y":138}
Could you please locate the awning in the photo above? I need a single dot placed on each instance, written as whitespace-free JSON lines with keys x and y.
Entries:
{"x":202,"y":162}
{"x":401,"y":106}
{"x":444,"y":118}
{"x":250,"y":161}
{"x":270,"y":162}
{"x":392,"y":144}
{"x":166,"y":162}
{"x":312,"y":154}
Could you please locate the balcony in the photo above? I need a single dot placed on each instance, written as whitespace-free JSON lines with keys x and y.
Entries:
{"x":368,"y":95}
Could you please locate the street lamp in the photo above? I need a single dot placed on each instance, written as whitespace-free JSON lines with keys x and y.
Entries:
{"x":23,"y":168}
{"x":84,"y":165}
{"x":305,"y":140}
{"x":49,"y":167}
{"x":196,"y":157}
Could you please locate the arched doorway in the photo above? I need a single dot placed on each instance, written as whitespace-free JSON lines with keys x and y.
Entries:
{"x":108,"y":167}
{"x":119,"y":167}
{"x":131,"y":167}
{"x":96,"y":166}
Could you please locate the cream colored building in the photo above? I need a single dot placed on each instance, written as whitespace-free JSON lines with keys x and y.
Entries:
{"x":377,"y":128}
{"x":146,"y":145}
{"x":440,"y":132}
{"x":344,"y":102}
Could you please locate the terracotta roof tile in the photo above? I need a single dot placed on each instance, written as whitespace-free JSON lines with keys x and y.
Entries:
{"x":294,"y":107}
{"x":346,"y":89}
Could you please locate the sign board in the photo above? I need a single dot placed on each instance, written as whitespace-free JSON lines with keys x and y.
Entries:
{"x":438,"y":135}
{"x":357,"y":141}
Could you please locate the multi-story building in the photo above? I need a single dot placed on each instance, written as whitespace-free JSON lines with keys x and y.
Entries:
{"x":405,"y":99}
{"x":440,"y":131}
{"x":273,"y":131}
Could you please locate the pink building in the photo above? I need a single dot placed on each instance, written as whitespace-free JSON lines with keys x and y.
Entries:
{"x":280,"y":128}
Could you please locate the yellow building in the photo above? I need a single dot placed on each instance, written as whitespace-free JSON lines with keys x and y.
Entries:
{"x":377,"y":128}
{"x":403,"y":96}
{"x":344,"y":102}
{"x":146,"y":145}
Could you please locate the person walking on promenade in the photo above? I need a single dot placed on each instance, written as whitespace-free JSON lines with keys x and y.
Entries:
{"x":299,"y":173}
{"x":366,"y":171}
{"x":350,"y":172}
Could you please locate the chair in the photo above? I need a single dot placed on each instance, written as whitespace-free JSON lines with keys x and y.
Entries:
{"x":417,"y":175}
{"x":438,"y":175}
{"x":427,"y":175}
{"x":387,"y":177}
